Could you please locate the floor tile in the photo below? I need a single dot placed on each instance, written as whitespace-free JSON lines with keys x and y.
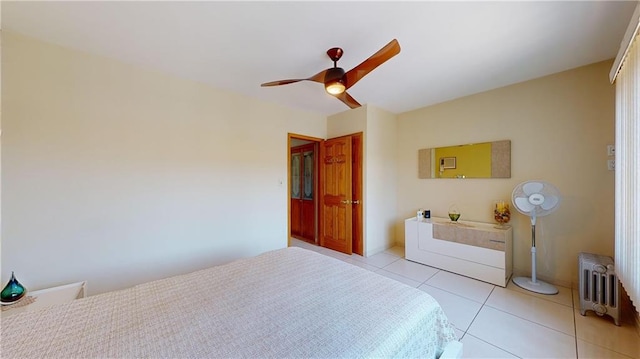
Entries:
{"x":553,"y":315}
{"x":469,"y":288}
{"x":399,"y":278}
{"x":521,"y":337}
{"x":592,"y":351}
{"x":396,"y":251}
{"x":379,"y":260}
{"x":601,"y":331}
{"x":334,"y":254}
{"x":564,"y":296}
{"x":576,"y":299}
{"x":303,"y":244}
{"x":476,"y":348}
{"x":459,"y":333}
{"x":411,"y":270}
{"x":459,"y":310}
{"x":362,"y":264}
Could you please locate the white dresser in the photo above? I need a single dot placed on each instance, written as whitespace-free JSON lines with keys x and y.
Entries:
{"x":473,"y":249}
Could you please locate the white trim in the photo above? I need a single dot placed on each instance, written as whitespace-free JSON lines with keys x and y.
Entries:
{"x":625,"y":44}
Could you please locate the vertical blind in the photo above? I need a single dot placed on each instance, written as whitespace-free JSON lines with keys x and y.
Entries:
{"x":626,"y":74}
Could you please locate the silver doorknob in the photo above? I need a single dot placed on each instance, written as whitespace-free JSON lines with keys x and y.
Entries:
{"x":357,"y":201}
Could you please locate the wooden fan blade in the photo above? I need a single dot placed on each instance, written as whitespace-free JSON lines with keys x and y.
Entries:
{"x":388,"y":51}
{"x":348,"y":100}
{"x":319,"y":77}
{"x":281,"y":82}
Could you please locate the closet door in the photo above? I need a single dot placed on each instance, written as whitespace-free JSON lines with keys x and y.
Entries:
{"x":303,"y":205}
{"x":307,"y":219}
{"x":296,"y":193}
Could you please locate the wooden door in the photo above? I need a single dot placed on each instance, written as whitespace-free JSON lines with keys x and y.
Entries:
{"x":335,"y":200}
{"x":303,"y":184}
{"x":296,"y":194}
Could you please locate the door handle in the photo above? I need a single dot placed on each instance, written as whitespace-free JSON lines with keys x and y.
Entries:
{"x":357,"y":201}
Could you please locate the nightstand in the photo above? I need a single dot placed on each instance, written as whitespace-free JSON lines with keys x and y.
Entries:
{"x":48,"y":297}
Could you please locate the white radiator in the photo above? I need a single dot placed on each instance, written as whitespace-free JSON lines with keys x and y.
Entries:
{"x":598,"y":286}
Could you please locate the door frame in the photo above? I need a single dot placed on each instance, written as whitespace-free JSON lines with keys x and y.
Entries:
{"x":357,"y":173}
{"x":317,"y":141}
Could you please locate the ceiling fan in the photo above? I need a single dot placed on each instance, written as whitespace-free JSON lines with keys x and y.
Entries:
{"x":336,"y":81}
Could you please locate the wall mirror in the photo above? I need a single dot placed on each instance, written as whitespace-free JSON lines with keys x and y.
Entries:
{"x":474,"y":160}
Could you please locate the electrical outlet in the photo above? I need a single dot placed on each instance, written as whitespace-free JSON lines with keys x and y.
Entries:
{"x":611,"y":165}
{"x":611,"y":150}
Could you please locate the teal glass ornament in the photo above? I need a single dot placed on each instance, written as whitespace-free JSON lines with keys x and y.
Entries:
{"x":13,"y":291}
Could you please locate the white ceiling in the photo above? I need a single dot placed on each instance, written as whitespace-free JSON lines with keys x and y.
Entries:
{"x":450,"y":49}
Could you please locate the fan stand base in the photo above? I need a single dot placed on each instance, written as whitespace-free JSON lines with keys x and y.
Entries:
{"x":537,"y":286}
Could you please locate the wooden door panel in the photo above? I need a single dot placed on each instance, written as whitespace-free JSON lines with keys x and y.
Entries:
{"x":295,"y":192}
{"x":336,"y":231}
{"x":296,"y":221}
{"x":336,"y":228}
{"x":307,"y":227}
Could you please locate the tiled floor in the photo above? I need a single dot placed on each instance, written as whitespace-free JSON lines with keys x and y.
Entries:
{"x":496,"y":322}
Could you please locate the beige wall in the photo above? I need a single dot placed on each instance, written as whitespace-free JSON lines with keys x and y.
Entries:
{"x":118,"y":175}
{"x":379,"y":183}
{"x":559,"y":127}
{"x":380,"y":180}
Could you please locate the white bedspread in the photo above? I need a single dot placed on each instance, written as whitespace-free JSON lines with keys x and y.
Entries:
{"x":282,"y":304}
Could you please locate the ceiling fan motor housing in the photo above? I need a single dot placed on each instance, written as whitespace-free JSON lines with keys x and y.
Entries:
{"x":333,"y":74}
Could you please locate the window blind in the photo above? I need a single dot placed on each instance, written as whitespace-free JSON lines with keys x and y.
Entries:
{"x":626,"y":74}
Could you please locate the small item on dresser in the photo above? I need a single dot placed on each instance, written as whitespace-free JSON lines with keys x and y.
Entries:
{"x":419,"y":214}
{"x":13,"y":291}
{"x":454,"y":213}
{"x":501,"y":213}
{"x":427,"y":214}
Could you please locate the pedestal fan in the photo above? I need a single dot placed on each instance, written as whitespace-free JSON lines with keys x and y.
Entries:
{"x":535,"y":199}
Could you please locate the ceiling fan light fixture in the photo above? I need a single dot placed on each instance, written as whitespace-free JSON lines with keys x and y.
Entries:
{"x":335,"y":87}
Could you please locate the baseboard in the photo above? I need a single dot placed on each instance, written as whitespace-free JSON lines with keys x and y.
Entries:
{"x":563,"y":283}
{"x":379,"y":249}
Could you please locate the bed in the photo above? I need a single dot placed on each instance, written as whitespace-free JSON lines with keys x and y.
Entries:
{"x":285,"y":303}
